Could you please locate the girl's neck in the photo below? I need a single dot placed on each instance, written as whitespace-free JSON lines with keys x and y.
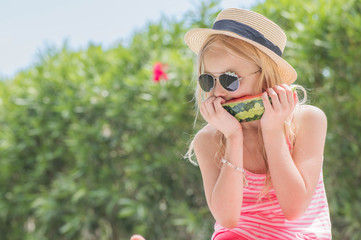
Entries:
{"x":250,"y":127}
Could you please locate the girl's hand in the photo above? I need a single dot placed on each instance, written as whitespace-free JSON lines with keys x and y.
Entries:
{"x":283,"y":103}
{"x":213,"y":112}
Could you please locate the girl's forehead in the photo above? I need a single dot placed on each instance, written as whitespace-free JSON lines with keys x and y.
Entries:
{"x":219,"y":60}
{"x":216,"y":48}
{"x":219,"y":49}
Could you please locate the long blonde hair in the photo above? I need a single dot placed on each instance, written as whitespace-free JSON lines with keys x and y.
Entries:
{"x":269,"y":77}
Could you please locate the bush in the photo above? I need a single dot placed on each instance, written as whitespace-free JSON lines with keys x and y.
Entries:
{"x":92,"y":147}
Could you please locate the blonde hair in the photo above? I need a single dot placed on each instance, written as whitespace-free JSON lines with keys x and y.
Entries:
{"x":269,"y":77}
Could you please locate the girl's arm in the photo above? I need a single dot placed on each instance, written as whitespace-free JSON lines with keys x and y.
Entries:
{"x":295,"y":178}
{"x":222,"y":184}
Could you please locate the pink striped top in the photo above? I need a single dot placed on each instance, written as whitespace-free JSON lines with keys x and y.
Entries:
{"x":264,"y":219}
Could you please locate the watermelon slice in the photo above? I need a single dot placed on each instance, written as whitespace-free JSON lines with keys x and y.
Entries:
{"x":248,"y":108}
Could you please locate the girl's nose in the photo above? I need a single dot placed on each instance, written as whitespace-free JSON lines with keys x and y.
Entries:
{"x":218,"y":90}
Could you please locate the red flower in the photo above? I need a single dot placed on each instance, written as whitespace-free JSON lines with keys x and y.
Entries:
{"x":158,"y":72}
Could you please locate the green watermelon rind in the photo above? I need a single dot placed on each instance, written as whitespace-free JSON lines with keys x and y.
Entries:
{"x":246,"y":111}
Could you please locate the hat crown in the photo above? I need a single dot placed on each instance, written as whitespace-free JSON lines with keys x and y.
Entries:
{"x":252,"y":28}
{"x":263,"y":25}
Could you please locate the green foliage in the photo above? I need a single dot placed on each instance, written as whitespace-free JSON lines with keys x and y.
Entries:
{"x":203,"y":17}
{"x":92,"y":148}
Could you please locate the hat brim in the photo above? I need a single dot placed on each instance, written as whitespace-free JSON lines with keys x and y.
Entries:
{"x":195,"y":39}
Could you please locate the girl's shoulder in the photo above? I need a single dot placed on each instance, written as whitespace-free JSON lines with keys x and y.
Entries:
{"x":308,"y":118}
{"x":208,"y":137}
{"x":308,"y":114}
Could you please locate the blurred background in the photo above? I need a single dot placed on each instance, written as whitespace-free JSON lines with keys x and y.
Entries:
{"x":97,"y":112}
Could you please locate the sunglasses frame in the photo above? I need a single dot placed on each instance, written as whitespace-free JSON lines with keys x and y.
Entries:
{"x":219,"y":75}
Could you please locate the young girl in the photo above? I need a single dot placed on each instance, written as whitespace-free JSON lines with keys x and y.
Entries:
{"x":262,"y":179}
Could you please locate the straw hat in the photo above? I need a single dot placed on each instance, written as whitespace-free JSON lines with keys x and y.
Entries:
{"x":252,"y":28}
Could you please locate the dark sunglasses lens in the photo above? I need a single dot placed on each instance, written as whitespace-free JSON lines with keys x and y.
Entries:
{"x":229,"y":82}
{"x":206,"y":81}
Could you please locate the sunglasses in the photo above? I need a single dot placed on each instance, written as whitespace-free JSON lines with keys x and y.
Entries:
{"x":228,"y":80}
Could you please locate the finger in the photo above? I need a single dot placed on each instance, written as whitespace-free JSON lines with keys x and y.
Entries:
{"x":218,"y":104}
{"x":289,"y":94}
{"x":292,"y":96}
{"x":266,"y":102}
{"x":203,"y":111}
{"x":209,"y":106}
{"x":210,"y":99}
{"x":274,"y":97}
{"x":204,"y":108}
{"x":282,"y":95}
